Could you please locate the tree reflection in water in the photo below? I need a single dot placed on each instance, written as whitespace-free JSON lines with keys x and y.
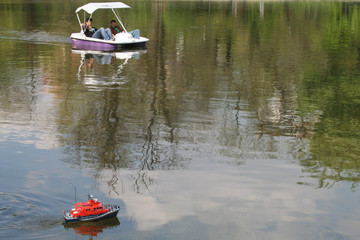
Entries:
{"x":242,"y":83}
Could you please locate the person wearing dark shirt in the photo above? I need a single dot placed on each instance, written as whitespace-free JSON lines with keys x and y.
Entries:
{"x":87,"y":28}
{"x":115,"y":29}
{"x":100,"y":33}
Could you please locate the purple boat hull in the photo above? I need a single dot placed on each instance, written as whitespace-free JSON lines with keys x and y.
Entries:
{"x":102,"y":46}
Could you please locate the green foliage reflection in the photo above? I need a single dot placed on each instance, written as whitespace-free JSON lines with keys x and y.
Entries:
{"x":250,"y":73}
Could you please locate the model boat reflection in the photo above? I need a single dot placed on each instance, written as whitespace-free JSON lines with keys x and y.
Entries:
{"x":93,"y":75}
{"x":92,"y":229}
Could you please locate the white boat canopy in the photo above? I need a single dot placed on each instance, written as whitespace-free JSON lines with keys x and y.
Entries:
{"x":92,"y":7}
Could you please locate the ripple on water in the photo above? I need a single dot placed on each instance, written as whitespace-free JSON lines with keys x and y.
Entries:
{"x":41,"y":37}
{"x":22,"y":213}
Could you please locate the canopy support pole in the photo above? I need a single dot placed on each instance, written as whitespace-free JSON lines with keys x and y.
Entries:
{"x":77,"y":15}
{"x":119,"y":20}
{"x":128,"y":18}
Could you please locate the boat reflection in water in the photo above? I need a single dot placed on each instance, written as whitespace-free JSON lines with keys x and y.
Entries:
{"x":92,"y":229}
{"x":90,"y":60}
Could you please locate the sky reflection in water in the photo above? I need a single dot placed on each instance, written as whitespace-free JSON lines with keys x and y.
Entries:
{"x":259,"y":200}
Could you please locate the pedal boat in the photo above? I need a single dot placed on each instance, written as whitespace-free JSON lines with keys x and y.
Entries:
{"x":120,"y":41}
{"x":92,"y":210}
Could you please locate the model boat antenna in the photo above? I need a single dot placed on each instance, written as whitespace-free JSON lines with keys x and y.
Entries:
{"x":74,"y":191}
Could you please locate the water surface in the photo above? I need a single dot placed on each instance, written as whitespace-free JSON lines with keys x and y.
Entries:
{"x":239,"y":120}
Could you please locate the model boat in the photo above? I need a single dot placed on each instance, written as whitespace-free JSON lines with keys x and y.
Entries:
{"x":92,"y":210}
{"x":120,"y":41}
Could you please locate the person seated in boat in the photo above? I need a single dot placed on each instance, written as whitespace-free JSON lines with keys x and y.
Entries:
{"x":115,"y":29}
{"x":100,"y":33}
{"x":87,"y":28}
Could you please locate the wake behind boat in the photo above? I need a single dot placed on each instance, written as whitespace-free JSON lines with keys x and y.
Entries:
{"x":123,"y":39}
{"x":92,"y":210}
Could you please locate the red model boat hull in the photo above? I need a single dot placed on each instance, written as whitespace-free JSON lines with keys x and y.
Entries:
{"x":112,"y":213}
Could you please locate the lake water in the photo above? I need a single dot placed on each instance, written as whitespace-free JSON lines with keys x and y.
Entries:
{"x":240,"y":120}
